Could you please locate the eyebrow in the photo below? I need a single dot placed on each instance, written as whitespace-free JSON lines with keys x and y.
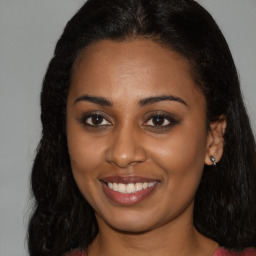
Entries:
{"x":152,"y":100}
{"x":143,"y":102}
{"x":97,"y":100}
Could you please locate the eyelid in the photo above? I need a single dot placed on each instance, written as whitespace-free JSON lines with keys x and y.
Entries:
{"x":88,"y":115}
{"x":107,"y":123}
{"x":163,"y":125}
{"x":164,"y":114}
{"x":167,"y":116}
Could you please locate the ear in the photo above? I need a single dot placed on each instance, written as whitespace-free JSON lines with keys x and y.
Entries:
{"x":215,"y":140}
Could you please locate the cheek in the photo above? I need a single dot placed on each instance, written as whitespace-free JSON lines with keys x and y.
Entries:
{"x":183,"y":165}
{"x":182,"y":154}
{"x":84,"y":159}
{"x":84,"y":156}
{"x":83,"y":149}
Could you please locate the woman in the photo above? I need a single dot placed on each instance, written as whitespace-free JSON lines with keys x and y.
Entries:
{"x":146,"y":147}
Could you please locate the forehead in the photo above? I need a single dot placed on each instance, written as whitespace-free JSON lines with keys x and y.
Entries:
{"x":138,"y":68}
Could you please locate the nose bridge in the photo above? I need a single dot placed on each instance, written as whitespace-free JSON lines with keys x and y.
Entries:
{"x":126,"y":147}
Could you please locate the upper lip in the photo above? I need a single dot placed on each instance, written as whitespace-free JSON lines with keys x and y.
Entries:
{"x":126,"y":179}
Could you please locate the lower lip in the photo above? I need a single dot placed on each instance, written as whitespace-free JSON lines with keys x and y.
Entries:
{"x":127,"y":199}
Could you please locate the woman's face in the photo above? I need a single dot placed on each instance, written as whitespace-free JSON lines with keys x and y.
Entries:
{"x":137,"y":136}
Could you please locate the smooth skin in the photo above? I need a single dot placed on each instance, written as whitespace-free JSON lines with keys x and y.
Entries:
{"x":134,"y":109}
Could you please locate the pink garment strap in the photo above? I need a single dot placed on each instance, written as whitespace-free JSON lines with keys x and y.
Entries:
{"x":224,"y":252}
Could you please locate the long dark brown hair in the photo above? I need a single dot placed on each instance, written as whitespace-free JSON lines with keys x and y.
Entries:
{"x":225,"y":203}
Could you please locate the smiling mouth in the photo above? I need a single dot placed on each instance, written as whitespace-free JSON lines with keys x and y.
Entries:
{"x":131,"y":187}
{"x":128,"y":190}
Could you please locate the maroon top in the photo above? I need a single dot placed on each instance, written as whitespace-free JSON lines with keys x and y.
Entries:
{"x":223,"y":252}
{"x":219,"y":252}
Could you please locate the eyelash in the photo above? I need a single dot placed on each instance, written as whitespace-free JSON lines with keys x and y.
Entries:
{"x":171,"y":121}
{"x":87,"y":121}
{"x":84,"y":120}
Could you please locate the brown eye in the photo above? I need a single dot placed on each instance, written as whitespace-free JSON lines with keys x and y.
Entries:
{"x":159,"y":121}
{"x":96,"y":120}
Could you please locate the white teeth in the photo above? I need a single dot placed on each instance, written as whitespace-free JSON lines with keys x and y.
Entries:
{"x":121,"y":188}
{"x":145,"y":185}
{"x":138,"y":186}
{"x":115,"y":187}
{"x":151,"y":184}
{"x":131,"y":187}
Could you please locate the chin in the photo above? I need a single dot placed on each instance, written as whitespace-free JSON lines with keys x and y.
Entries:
{"x":135,"y":222}
{"x":132,"y":227}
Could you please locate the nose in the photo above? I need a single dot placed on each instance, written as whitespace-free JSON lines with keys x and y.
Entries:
{"x":126,"y":148}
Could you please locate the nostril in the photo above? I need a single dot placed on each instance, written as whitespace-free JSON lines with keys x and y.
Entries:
{"x":124,"y":161}
{"x":125,"y":149}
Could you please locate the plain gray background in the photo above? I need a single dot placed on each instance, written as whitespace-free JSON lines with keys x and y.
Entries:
{"x":29,"y":30}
